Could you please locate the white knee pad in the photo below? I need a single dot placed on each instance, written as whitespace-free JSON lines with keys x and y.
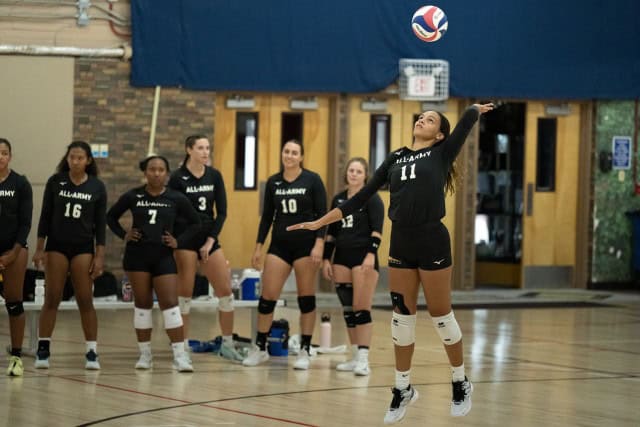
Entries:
{"x":403,"y":329}
{"x":185,"y":305}
{"x":448,"y":328}
{"x":172,"y":318}
{"x":142,"y":318}
{"x":226,"y":303}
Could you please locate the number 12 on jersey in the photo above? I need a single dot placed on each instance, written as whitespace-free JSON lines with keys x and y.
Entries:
{"x":412,"y":172}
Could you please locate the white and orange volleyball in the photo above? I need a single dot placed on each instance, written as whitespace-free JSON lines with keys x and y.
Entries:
{"x":429,"y":23}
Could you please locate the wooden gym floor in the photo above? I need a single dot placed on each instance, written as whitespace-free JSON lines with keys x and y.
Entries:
{"x":530,"y":367}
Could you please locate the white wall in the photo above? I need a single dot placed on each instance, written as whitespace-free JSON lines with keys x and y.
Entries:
{"x":36,"y":116}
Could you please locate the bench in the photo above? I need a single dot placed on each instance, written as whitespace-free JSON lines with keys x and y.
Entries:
{"x":32,"y":312}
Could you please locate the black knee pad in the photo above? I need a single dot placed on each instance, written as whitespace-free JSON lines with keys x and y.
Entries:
{"x":397,"y":301}
{"x":307,"y":303}
{"x":14,"y":308}
{"x":349,"y":318}
{"x":345,"y":294}
{"x":266,"y":306}
{"x":362,"y":317}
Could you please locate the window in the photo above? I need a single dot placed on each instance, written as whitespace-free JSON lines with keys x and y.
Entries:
{"x":291,"y":127}
{"x":246,"y":150}
{"x":546,"y":158}
{"x":380,"y":142}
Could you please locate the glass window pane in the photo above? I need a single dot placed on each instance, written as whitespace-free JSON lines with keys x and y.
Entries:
{"x":380,"y":140}
{"x":246,"y":151}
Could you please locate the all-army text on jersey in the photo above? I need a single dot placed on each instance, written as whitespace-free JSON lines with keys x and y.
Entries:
{"x":199,"y":188}
{"x":412,"y":157}
{"x":75,"y":195}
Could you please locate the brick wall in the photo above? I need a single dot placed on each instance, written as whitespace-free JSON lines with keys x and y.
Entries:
{"x":107,"y":110}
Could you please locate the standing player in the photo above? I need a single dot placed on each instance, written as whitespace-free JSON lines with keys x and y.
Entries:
{"x":420,"y":249}
{"x":148,"y":257}
{"x":355,"y":264}
{"x":16,"y":205}
{"x":204,"y":187}
{"x":292,"y":195}
{"x":72,"y":222}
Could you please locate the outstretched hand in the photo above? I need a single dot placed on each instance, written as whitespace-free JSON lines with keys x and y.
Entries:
{"x":484,"y":108}
{"x":313,"y":225}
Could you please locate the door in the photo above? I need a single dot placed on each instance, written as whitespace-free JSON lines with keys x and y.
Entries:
{"x":248,"y":137}
{"x":550,"y":185}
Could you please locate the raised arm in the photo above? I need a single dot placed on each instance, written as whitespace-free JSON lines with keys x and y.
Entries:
{"x":458,"y":136}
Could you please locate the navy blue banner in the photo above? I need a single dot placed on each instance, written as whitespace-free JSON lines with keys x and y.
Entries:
{"x":562,"y":49}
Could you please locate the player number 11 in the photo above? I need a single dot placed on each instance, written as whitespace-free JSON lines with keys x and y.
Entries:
{"x":412,"y":174}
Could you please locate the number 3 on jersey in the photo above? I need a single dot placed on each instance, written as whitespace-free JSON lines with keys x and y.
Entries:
{"x":412,"y":173}
{"x":289,"y":206}
{"x":73,"y":210}
{"x":202,"y":203}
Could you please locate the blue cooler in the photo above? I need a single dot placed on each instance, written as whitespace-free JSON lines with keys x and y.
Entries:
{"x":278,"y":339}
{"x":250,"y":284}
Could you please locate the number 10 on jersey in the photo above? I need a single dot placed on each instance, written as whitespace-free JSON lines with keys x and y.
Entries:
{"x":289,"y":206}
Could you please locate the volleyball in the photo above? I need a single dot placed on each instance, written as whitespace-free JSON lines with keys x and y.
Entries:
{"x":429,"y":23}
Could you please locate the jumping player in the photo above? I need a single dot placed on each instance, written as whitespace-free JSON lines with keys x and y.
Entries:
{"x":292,"y":195}
{"x":16,"y":206}
{"x":204,"y":187}
{"x":72,"y":222}
{"x":420,"y":249}
{"x":148,"y":258}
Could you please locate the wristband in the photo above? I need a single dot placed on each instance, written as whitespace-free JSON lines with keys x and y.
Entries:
{"x":375,"y":244}
{"x":328,"y":250}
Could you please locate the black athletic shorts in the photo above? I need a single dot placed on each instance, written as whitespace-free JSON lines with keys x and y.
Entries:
{"x":196,"y":243}
{"x":427,"y":246}
{"x":353,"y":257}
{"x":150,"y":258}
{"x":291,"y":250}
{"x":6,"y":246}
{"x":69,"y":250}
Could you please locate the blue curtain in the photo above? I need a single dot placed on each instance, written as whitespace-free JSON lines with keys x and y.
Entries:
{"x":558,"y":49}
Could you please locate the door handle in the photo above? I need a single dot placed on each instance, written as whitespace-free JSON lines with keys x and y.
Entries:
{"x":529,"y":211}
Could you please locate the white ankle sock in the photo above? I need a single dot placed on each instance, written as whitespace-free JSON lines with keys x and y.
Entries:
{"x":457,"y":373}
{"x":227,"y":340}
{"x":145,"y":347}
{"x":92,"y":345}
{"x":363,"y":353}
{"x":403,"y":379}
{"x":178,"y":348}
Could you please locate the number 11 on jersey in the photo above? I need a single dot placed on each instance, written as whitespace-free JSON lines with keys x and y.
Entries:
{"x":412,"y":173}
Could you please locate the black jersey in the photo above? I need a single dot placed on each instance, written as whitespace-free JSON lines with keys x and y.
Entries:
{"x":16,"y":206}
{"x":354,"y":230}
{"x":154,"y":215}
{"x":416,"y":178}
{"x":287,"y":203}
{"x":205,"y":194}
{"x":73,"y":213}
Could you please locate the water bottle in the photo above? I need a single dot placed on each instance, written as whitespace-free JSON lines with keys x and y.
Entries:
{"x":127,"y":291}
{"x":39,"y":290}
{"x":235,"y":286}
{"x":325,"y":330}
